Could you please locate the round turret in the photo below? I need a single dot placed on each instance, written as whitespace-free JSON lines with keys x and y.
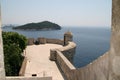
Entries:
{"x":68,"y":36}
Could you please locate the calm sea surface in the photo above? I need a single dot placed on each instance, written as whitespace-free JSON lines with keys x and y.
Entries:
{"x":91,"y":42}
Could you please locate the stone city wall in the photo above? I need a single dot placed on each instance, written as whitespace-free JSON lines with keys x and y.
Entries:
{"x":114,"y":73}
{"x":68,"y":51}
{"x":97,"y":70}
{"x":62,"y":61}
{"x":55,"y":41}
{"x":106,"y":67}
{"x":65,"y":65}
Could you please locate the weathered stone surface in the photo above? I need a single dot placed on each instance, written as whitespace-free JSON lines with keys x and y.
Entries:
{"x":65,"y":66}
{"x":28,"y":78}
{"x":30,"y":41}
{"x":53,"y":55}
{"x":63,"y":62}
{"x":68,"y":51}
{"x":2,"y":71}
{"x":23,"y":67}
{"x":42,"y":40}
{"x":116,"y":65}
{"x":54,"y":41}
{"x":114,"y":62}
{"x":115,"y":15}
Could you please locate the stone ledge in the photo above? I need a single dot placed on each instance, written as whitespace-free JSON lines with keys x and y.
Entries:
{"x":67,"y":62}
{"x":64,"y":49}
{"x":28,"y":78}
{"x":67,"y":47}
{"x":23,"y":67}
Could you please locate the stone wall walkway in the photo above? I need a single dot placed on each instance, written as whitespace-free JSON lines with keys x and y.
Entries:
{"x":38,"y":61}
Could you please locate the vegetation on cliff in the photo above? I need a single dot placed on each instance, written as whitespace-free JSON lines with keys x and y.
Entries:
{"x":45,"y":25}
{"x":14,"y":44}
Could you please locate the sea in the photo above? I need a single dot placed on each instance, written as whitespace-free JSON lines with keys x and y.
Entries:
{"x":92,"y":42}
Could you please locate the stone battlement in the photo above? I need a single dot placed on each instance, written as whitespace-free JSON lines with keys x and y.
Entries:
{"x":42,"y":40}
{"x":67,"y":37}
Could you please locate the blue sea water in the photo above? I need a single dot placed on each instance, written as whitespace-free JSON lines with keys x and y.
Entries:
{"x":91,"y":42}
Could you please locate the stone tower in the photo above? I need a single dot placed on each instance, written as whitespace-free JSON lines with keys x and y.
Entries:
{"x":68,"y":37}
{"x":2,"y":71}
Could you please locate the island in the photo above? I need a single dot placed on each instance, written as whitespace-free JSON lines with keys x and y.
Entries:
{"x":44,"y":25}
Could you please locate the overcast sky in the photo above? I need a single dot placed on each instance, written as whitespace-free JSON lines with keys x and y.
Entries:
{"x":63,"y":12}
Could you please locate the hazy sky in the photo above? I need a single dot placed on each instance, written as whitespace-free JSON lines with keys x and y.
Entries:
{"x":62,"y":12}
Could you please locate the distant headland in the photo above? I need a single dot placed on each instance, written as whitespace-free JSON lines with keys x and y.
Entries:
{"x":44,"y":25}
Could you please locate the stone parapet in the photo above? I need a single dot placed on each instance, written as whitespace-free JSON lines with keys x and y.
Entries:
{"x":66,"y":66}
{"x":30,"y":41}
{"x":68,"y":51}
{"x":42,"y":40}
{"x":63,"y":57}
{"x":54,"y":41}
{"x":23,"y":67}
{"x":96,"y":70}
{"x":53,"y":55}
{"x":2,"y":70}
{"x":28,"y":78}
{"x":114,"y":63}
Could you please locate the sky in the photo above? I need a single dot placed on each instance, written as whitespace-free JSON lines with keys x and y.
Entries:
{"x":63,"y":12}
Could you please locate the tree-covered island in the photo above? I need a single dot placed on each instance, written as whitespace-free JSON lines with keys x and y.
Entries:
{"x":45,"y":25}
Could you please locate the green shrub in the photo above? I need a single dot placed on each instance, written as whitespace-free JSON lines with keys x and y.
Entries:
{"x":14,"y":44}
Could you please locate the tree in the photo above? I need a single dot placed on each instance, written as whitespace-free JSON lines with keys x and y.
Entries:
{"x":14,"y":44}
